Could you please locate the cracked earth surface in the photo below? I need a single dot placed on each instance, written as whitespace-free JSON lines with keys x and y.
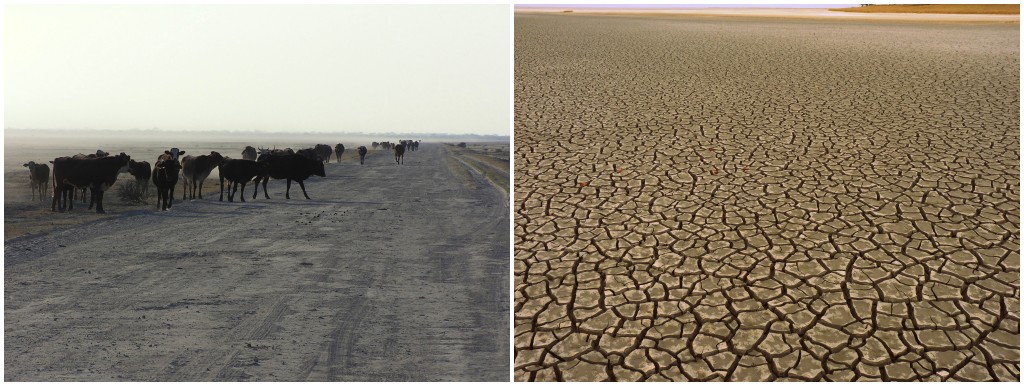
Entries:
{"x":752,"y":200}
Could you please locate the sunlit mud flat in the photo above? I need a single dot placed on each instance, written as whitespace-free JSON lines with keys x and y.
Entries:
{"x":711,"y":198}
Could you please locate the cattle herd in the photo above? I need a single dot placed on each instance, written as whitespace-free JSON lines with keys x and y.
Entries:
{"x":99,"y":171}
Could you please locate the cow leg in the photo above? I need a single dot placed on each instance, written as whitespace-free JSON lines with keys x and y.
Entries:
{"x":56,"y":194}
{"x":256,"y":187}
{"x":303,"y":186}
{"x":201,"y":189}
{"x":288,"y":187}
{"x":242,"y":196}
{"x":222,"y":190}
{"x":69,"y":198}
{"x":97,"y":196}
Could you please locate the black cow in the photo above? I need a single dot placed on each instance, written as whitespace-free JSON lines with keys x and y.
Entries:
{"x":238,"y":172}
{"x":323,"y":152}
{"x":400,"y":154}
{"x":64,"y":195}
{"x":362,"y":154}
{"x":249,"y":153}
{"x":292,"y":167}
{"x":141,"y":172}
{"x":338,"y":150}
{"x":195,"y":170}
{"x":284,"y":151}
{"x":174,"y":153}
{"x":309,"y":153}
{"x":98,"y":174}
{"x":39,"y":178}
{"x":165,"y":176}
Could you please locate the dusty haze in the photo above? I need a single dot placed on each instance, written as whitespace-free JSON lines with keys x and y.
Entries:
{"x":411,"y":68}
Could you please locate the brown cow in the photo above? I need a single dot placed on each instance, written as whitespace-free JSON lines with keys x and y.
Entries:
{"x":39,"y":178}
{"x":195,"y":170}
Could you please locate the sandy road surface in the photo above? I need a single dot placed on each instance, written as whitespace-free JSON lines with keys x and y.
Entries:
{"x":756,"y":200}
{"x":388,"y":273}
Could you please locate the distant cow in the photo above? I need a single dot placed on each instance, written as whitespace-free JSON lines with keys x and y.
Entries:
{"x":400,"y":154}
{"x":165,"y":176}
{"x":338,"y":150}
{"x":98,"y":174}
{"x":292,"y":167}
{"x":238,"y":172}
{"x":39,"y":178}
{"x":375,"y":145}
{"x":323,"y":152}
{"x":284,"y":151}
{"x":249,"y":153}
{"x":195,"y":170}
{"x":362,"y":154}
{"x":141,"y":172}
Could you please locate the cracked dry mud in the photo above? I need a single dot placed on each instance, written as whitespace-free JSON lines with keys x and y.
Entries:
{"x":752,"y":200}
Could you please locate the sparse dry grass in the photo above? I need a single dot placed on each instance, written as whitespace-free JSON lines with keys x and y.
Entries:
{"x":989,"y":9}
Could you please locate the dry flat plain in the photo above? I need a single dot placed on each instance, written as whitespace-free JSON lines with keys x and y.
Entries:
{"x":756,"y":199}
{"x":388,"y":273}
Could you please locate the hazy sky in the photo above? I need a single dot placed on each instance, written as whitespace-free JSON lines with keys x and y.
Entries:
{"x":397,"y":68}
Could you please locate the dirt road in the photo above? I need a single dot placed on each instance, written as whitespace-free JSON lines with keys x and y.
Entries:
{"x":388,"y":273}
